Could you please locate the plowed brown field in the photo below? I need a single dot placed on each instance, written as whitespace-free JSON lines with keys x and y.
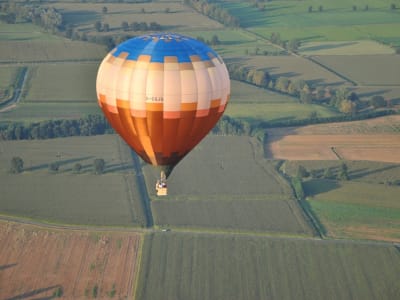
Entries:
{"x":374,"y":140}
{"x":37,"y":263}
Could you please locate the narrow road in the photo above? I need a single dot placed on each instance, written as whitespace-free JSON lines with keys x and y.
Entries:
{"x":11,"y":103}
{"x":142,"y":189}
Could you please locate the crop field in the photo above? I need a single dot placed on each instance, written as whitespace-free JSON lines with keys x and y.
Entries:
{"x":7,"y":76}
{"x":70,"y":82}
{"x":356,"y":209}
{"x":234,"y":42}
{"x":277,"y":112}
{"x":295,"y":68}
{"x":365,"y":47}
{"x":337,"y":21}
{"x":179,"y":17}
{"x":375,"y":140}
{"x":365,"y":69}
{"x":64,"y":196}
{"x":22,"y":32}
{"x":49,"y":50}
{"x":331,"y":147}
{"x":39,"y":263}
{"x":33,"y":112}
{"x":206,"y":266}
{"x":230,"y":190}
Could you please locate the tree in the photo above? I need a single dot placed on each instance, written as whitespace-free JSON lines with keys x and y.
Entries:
{"x":97,"y":26}
{"x":17,"y":165}
{"x":125,"y":26}
{"x":354,"y":8}
{"x":167,"y":10}
{"x":343,"y":175}
{"x":328,"y":173}
{"x":77,"y":168}
{"x":320,"y":8}
{"x":54,"y":167}
{"x":392,"y":6}
{"x":106,"y":27}
{"x":377,"y":101}
{"x":104,"y":9}
{"x":310,"y":9}
{"x":99,"y":165}
{"x":302,"y":172}
{"x":215,"y":40}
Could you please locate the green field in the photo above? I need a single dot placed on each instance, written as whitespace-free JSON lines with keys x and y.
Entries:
{"x":375,"y":70}
{"x":204,"y":266}
{"x":34,"y":112}
{"x":70,"y":82}
{"x":355,"y":209}
{"x":365,"y":47}
{"x":227,"y":190}
{"x":256,"y":104}
{"x":84,"y":198}
{"x":277,"y":112}
{"x":337,"y":21}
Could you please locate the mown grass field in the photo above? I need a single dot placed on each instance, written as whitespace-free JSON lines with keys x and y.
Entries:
{"x":221,"y":189}
{"x":34,"y":112}
{"x":25,"y":42}
{"x":234,"y":42}
{"x":84,"y":198}
{"x":72,"y":82}
{"x":365,"y":47}
{"x":180,"y":17}
{"x":204,"y":266}
{"x":295,"y":68}
{"x":337,"y":21}
{"x":375,"y":70}
{"x":355,"y":209}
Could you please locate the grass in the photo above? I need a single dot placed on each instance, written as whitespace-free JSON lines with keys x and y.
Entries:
{"x":337,"y":22}
{"x":234,"y":42}
{"x":275,"y":112}
{"x":27,"y":43}
{"x":205,"y":266}
{"x":227,"y":190}
{"x":364,"y":47}
{"x":84,"y":198}
{"x":8,"y":76}
{"x":356,"y":209}
{"x":84,"y":15}
{"x":366,"y":69}
{"x":70,"y":82}
{"x":272,"y":216}
{"x":33,"y":112}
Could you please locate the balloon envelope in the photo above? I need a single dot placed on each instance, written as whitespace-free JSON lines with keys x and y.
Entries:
{"x":162,"y":93}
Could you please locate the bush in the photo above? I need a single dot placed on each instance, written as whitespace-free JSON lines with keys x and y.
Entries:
{"x":17,"y":165}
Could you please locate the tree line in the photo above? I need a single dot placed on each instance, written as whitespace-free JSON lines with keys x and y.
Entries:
{"x":214,"y":11}
{"x":343,"y":99}
{"x":47,"y":17}
{"x":89,"y":125}
{"x":17,"y":166}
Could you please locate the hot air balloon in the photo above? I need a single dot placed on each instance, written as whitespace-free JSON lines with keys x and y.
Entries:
{"x":162,"y":93}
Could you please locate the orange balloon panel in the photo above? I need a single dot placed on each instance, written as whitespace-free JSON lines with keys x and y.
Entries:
{"x":163,"y":93}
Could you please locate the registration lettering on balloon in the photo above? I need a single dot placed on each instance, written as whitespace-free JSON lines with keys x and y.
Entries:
{"x":154,"y":99}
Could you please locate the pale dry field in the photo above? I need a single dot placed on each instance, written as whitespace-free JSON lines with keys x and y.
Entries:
{"x":35,"y":262}
{"x":374,"y":140}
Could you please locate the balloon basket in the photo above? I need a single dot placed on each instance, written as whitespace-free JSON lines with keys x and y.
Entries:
{"x":161,"y":185}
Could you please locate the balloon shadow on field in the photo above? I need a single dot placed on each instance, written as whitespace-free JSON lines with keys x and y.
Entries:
{"x":35,"y":293}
